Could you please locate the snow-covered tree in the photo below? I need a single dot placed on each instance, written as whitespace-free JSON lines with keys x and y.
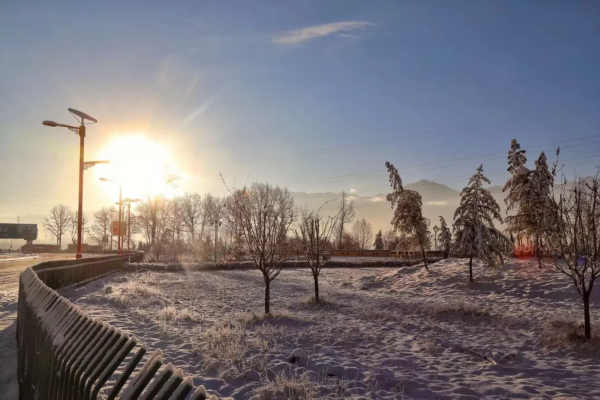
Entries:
{"x":528,"y":194}
{"x":474,"y":228}
{"x":379,"y":245}
{"x":408,"y":214}
{"x":540,"y":204}
{"x":445,"y":237}
{"x":519,"y":188}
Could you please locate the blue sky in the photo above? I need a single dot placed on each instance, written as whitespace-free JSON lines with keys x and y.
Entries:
{"x":313,"y":95}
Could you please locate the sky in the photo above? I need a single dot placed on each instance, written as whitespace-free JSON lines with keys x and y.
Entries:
{"x":311,"y":95}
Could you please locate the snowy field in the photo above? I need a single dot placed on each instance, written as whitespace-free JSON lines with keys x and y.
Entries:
{"x":384,"y":333}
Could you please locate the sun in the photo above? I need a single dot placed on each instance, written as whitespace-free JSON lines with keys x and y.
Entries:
{"x":142,"y":165}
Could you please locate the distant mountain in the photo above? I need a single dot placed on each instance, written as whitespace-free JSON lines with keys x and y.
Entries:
{"x":438,"y":200}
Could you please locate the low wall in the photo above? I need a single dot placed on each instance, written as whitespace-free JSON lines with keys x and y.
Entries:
{"x":63,"y":353}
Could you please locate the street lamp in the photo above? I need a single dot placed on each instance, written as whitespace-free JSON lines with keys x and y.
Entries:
{"x":89,"y":164}
{"x":80,"y":130}
{"x":120,"y":209}
{"x":129,"y":201}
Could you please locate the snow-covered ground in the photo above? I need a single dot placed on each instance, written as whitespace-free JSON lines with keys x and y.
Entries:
{"x":384,"y":332}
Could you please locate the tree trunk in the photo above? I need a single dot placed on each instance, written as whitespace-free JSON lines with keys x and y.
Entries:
{"x":586,"y":316}
{"x":423,"y":253}
{"x":316,"y":288}
{"x":537,"y":250}
{"x":471,"y":269}
{"x":267,"y":296}
{"x":216,"y":239}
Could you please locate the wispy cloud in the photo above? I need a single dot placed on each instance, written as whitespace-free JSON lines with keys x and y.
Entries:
{"x":313,"y":32}
{"x":353,"y":190}
{"x":376,"y":199}
{"x":436,"y":203}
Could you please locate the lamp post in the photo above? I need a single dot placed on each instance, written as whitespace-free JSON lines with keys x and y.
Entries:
{"x":120,"y":210}
{"x":129,"y":201}
{"x":79,"y":130}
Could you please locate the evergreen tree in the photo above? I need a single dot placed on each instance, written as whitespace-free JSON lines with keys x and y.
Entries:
{"x":476,"y":235}
{"x":529,"y":192}
{"x":445,"y":237}
{"x":540,"y":202}
{"x":519,"y":192}
{"x":379,"y":241}
{"x":408,"y":214}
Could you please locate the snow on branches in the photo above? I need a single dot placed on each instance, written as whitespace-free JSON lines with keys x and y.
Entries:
{"x":474,"y":228}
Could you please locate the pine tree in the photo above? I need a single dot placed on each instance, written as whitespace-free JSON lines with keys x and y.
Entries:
{"x":476,"y":235}
{"x":529,"y":193}
{"x":539,"y":202}
{"x":378,"y":241}
{"x":519,"y":191}
{"x":445,"y":237}
{"x":408,"y":214}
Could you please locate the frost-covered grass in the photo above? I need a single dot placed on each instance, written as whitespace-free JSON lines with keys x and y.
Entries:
{"x":382,"y":333}
{"x":338,"y":262}
{"x":457,"y":307}
{"x":567,"y":333}
{"x":134,"y":293}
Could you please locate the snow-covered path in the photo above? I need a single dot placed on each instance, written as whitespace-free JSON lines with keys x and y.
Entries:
{"x":386,"y":333}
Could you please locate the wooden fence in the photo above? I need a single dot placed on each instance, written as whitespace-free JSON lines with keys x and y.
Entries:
{"x":65,"y":354}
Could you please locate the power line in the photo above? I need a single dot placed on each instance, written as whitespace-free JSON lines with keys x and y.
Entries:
{"x":414,"y":136}
{"x":412,"y":169}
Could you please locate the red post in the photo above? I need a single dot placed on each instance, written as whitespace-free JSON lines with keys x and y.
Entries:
{"x":128,"y":225}
{"x":80,"y":207}
{"x":120,"y":241}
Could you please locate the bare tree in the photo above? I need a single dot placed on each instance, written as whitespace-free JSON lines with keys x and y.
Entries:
{"x":57,"y":223}
{"x":313,"y":236}
{"x":175,"y":224}
{"x":151,"y":223}
{"x":363,"y":233}
{"x":408,"y":214}
{"x":192,"y":213}
{"x":390,"y":240}
{"x":345,"y":216}
{"x":234,"y":243}
{"x":100,"y":230}
{"x":265,"y":214}
{"x":73,"y":227}
{"x":215,"y":217}
{"x":573,"y":235}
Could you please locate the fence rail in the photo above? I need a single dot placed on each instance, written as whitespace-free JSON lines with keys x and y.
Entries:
{"x":65,"y":354}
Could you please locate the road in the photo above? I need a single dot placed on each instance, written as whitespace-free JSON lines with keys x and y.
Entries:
{"x":9,"y":292}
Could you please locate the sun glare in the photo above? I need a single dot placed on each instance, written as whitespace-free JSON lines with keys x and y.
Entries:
{"x":142,"y":165}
